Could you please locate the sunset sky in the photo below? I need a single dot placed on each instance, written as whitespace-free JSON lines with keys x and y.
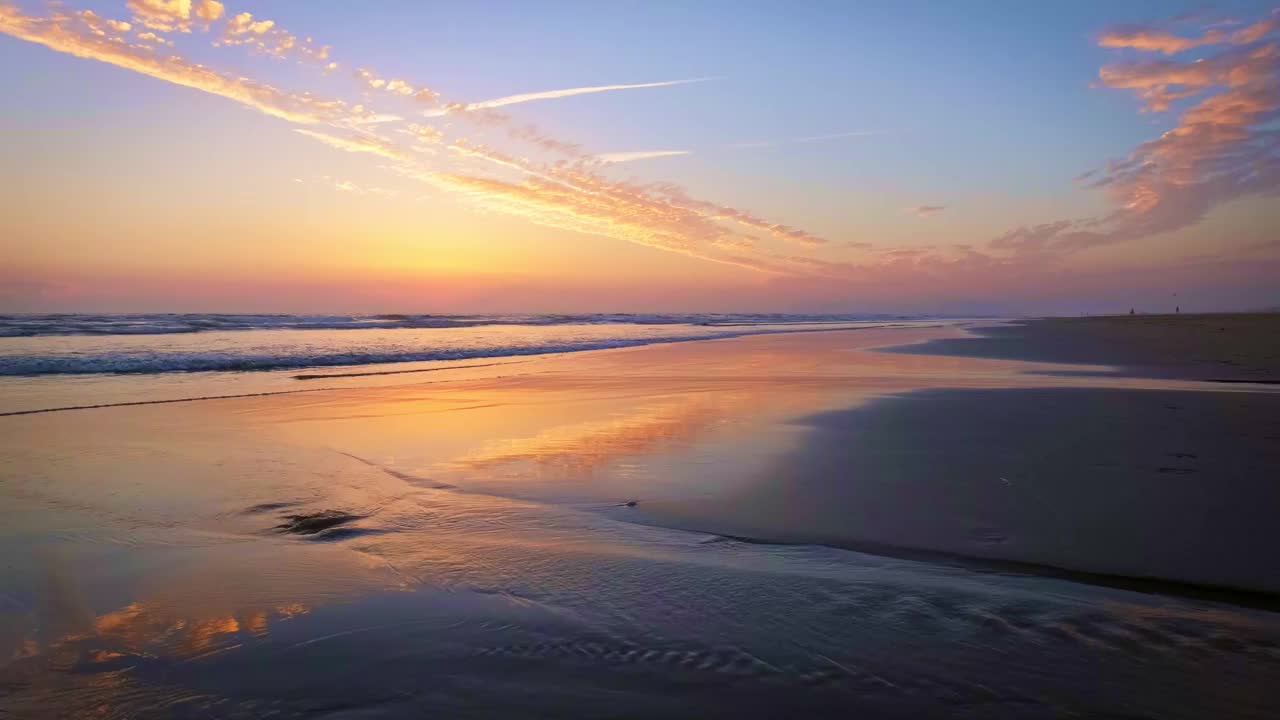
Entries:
{"x":316,"y":155}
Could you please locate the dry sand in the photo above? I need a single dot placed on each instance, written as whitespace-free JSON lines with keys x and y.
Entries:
{"x":1232,"y":347}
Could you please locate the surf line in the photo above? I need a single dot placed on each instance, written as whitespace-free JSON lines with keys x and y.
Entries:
{"x":322,"y":376}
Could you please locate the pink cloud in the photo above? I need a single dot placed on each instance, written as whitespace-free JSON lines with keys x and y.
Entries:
{"x":1155,"y":39}
{"x":1224,"y":147}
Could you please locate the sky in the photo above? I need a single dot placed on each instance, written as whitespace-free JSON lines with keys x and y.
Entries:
{"x":904,"y":157}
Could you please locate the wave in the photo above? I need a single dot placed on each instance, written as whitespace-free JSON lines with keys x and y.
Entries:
{"x":149,"y":360}
{"x":32,"y":325}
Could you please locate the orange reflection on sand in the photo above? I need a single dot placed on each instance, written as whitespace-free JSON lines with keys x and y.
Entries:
{"x":138,"y":628}
{"x":568,"y":418}
{"x":580,"y":448}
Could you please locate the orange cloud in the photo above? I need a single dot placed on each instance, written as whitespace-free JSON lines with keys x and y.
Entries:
{"x":426,"y":133}
{"x":210,"y":10}
{"x":607,"y":213}
{"x":1224,"y":146}
{"x":394,"y":86}
{"x":1145,"y":37}
{"x":358,"y":143}
{"x":570,"y":195}
{"x":71,"y":34}
{"x":175,"y":15}
{"x":368,"y":77}
{"x":243,"y":25}
{"x":162,"y":15}
{"x":150,"y":37}
{"x":677,"y":196}
{"x":1220,"y":150}
{"x":264,"y":36}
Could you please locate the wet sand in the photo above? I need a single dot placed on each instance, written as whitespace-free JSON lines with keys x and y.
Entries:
{"x":468,"y":547}
{"x":1170,"y":492}
{"x":1112,"y":485}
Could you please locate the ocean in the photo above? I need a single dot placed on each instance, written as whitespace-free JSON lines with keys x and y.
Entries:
{"x":62,"y":360}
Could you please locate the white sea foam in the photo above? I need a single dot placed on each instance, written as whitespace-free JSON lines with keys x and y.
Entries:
{"x":144,"y":344}
{"x":34,"y":325}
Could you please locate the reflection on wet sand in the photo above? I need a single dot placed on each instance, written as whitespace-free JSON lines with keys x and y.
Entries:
{"x":485,"y":568}
{"x":134,"y":628}
{"x":108,"y":655}
{"x":580,"y":448}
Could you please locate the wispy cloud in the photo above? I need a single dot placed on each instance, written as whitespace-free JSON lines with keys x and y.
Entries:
{"x":1157,"y":39}
{"x":1225,"y":146}
{"x":394,"y":86}
{"x":620,"y":157}
{"x":72,"y":34}
{"x":635,"y":218}
{"x":348,"y":186}
{"x":925,"y":211}
{"x":425,"y":133}
{"x":376,"y":119}
{"x":805,"y":139}
{"x":565,"y":194}
{"x":362,"y":143}
{"x":265,"y":37}
{"x":550,"y":95}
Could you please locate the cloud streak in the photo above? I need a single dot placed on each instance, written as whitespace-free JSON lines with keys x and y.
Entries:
{"x":549,"y":95}
{"x":1155,"y":39}
{"x":621,"y":157}
{"x":72,"y":34}
{"x":360,"y":143}
{"x":567,"y":194}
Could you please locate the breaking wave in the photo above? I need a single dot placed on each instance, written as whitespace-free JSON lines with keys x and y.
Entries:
{"x":169,"y":323}
{"x":310,"y":341}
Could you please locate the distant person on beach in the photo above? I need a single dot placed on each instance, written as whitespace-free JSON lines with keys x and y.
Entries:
{"x":1130,"y":311}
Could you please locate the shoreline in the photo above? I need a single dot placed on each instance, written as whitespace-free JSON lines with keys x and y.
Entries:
{"x":209,"y":384}
{"x":997,"y":339}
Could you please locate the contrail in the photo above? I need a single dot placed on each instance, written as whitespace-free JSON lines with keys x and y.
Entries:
{"x":618,"y":157}
{"x":549,"y":95}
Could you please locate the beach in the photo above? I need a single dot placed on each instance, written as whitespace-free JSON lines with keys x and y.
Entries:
{"x":1046,"y":518}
